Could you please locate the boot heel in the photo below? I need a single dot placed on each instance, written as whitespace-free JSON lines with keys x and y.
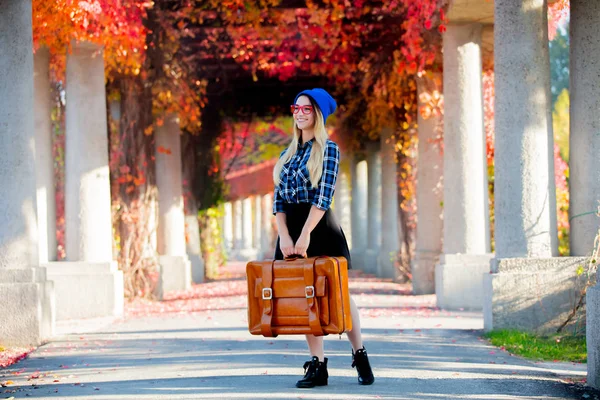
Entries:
{"x":321,"y":383}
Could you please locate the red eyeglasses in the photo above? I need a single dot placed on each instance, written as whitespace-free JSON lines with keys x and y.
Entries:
{"x":305,"y":109}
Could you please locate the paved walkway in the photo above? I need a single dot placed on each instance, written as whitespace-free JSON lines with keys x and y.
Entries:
{"x":196,"y":346}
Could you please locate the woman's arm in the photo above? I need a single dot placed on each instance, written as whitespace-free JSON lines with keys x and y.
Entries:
{"x":286,"y":244}
{"x":282,"y":228}
{"x":313,"y":219}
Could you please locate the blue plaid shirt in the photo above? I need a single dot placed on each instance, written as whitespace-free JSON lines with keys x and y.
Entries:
{"x":294,"y":181}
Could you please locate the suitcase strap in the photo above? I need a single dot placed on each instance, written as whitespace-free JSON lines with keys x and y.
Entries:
{"x":267,"y":296}
{"x":313,"y":306}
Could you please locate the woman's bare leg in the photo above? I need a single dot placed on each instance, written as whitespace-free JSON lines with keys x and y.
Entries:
{"x":315,"y":345}
{"x":355,"y":336}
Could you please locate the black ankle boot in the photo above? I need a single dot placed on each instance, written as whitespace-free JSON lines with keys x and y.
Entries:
{"x":361,"y":362}
{"x":315,"y":374}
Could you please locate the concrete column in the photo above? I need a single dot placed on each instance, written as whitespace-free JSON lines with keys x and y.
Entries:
{"x":44,"y":161}
{"x":247,"y":223}
{"x":459,"y":275}
{"x":88,"y":220}
{"x":525,"y":195}
{"x":584,"y":181}
{"x":175,"y":266}
{"x":193,"y":247}
{"x":268,"y":234}
{"x":26,"y":296}
{"x":390,"y":238}
{"x":257,"y":223}
{"x":237,"y":228}
{"x":429,"y":197}
{"x":359,"y":213}
{"x":593,"y":336}
{"x":247,"y":251}
{"x":228,"y":226}
{"x":89,"y":283}
{"x":524,"y":185}
{"x":374,"y":211}
{"x":341,"y":206}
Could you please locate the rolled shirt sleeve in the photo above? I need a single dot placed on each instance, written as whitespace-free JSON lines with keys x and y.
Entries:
{"x":277,"y":202}
{"x":277,"y":199}
{"x":326,"y":186}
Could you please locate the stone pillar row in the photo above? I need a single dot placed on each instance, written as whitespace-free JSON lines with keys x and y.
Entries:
{"x":375,"y":233}
{"x":35,"y":289}
{"x":249,"y":231}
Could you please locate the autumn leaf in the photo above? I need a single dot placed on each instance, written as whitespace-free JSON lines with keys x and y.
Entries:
{"x":163,"y":150}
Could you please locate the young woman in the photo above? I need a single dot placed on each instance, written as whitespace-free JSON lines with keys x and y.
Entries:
{"x":305,"y":177}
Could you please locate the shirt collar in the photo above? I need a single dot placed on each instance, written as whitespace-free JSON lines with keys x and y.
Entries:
{"x":305,"y":145}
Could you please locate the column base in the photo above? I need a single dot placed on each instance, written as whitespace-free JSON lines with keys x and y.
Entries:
{"x":593,"y":336}
{"x":175,"y":273}
{"x":423,"y":271}
{"x":197,"y":268}
{"x":459,"y":281}
{"x":358,"y":259}
{"x":387,"y":264}
{"x":247,"y":254}
{"x":371,"y":262}
{"x":86,"y":289}
{"x":267,"y":253}
{"x":533,"y":294}
{"x":28,"y":307}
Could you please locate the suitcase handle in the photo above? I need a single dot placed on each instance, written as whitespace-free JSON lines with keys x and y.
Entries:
{"x":293,"y":257}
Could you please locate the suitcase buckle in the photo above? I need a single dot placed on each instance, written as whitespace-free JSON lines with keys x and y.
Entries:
{"x":309,"y":291}
{"x":267,"y":293}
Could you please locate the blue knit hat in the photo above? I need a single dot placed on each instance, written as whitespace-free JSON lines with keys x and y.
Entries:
{"x":326,"y":103}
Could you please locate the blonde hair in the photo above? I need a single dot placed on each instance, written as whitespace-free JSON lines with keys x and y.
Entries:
{"x":317,"y":153}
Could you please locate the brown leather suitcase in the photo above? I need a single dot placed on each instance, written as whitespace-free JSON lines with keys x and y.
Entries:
{"x":298,"y":296}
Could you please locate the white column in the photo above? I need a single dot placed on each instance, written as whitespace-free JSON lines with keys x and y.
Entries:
{"x":25,"y":294}
{"x":374,"y":211}
{"x":390,"y":238}
{"x":228,"y":226}
{"x":342,"y":204}
{"x":88,"y":220}
{"x":89,"y":284}
{"x":429,"y":198}
{"x":193,"y":247}
{"x":247,"y":223}
{"x":459,"y":275}
{"x":359,"y":213}
{"x":44,"y":161}
{"x":584,"y":147}
{"x":257,"y":223}
{"x":268,"y":234}
{"x":593,"y":336}
{"x":524,"y":163}
{"x":237,"y":228}
{"x":176,"y":270}
{"x":525,"y":197}
{"x":584,"y":178}
{"x":247,"y":252}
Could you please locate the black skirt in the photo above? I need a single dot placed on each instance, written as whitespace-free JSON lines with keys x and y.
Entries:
{"x":327,"y":239}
